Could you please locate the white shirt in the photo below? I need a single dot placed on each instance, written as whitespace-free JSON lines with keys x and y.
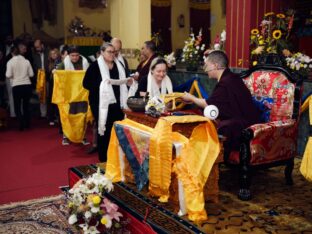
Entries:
{"x":19,"y":70}
{"x":42,"y":60}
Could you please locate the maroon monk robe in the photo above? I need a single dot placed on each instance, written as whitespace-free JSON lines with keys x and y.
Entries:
{"x":236,"y":108}
{"x":143,"y":67}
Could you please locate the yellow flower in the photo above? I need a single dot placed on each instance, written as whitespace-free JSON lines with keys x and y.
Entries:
{"x":261,"y":42}
{"x":281,"y":16}
{"x":70,"y":204}
{"x":268,"y":14}
{"x":286,"y":53}
{"x":254,"y":31}
{"x":104,"y":220}
{"x":254,"y":63}
{"x":277,"y":34}
{"x":269,"y":49}
{"x":96,"y":200}
{"x":258,"y":50}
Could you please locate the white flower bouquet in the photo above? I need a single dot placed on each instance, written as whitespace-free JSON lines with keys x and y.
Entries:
{"x":300,"y":62}
{"x":90,"y":211}
{"x":170,"y":59}
{"x":193,"y":50}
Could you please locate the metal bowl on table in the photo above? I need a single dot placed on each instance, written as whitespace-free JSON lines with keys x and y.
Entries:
{"x":137,"y":104}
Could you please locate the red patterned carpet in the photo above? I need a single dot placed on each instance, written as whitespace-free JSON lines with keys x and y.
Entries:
{"x":33,"y":163}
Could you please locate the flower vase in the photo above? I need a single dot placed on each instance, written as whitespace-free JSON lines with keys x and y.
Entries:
{"x":191,"y":67}
{"x":172,"y":68}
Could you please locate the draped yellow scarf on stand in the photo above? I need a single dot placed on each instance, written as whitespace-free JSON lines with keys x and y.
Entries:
{"x":68,"y":89}
{"x":193,"y":165}
{"x":41,"y":86}
{"x":306,"y":163}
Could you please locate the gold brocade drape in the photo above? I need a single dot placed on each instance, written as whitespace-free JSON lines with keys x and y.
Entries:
{"x":68,"y":89}
{"x":200,"y":5}
{"x":192,"y":166}
{"x":41,"y":86}
{"x":161,"y":3}
{"x":306,"y":164}
{"x":84,"y":41}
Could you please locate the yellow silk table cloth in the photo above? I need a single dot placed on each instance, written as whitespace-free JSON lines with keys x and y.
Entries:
{"x":306,"y":164}
{"x":41,"y":86}
{"x":67,"y":90}
{"x":192,"y":165}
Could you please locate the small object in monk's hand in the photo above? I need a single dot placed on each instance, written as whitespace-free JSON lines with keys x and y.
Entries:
{"x":211,"y":112}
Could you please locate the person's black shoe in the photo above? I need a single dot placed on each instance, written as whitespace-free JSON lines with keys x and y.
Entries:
{"x":92,"y":150}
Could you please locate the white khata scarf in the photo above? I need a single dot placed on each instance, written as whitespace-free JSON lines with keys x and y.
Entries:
{"x":69,"y":65}
{"x":153,"y":89}
{"x":107,"y":95}
{"x":121,"y":59}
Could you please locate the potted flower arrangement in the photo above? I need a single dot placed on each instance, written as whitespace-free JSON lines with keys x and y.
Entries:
{"x":90,"y":211}
{"x":300,"y":63}
{"x":192,"y":51}
{"x":272,"y":37}
{"x":171,"y":60}
{"x":219,"y":42}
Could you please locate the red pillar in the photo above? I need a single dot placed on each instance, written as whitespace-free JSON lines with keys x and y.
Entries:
{"x":241,"y":17}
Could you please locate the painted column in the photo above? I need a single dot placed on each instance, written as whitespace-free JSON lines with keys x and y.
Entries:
{"x":179,"y":33}
{"x":130,"y":21}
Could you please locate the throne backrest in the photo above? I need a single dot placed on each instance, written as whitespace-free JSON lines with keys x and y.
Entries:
{"x":272,"y":92}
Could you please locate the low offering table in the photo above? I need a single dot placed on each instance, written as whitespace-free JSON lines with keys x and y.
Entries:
{"x":211,"y":188}
{"x":161,"y":156}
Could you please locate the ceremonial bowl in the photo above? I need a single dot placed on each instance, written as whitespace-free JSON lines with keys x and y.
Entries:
{"x":137,"y":104}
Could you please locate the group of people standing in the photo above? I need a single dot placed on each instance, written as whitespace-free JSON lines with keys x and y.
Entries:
{"x":110,"y":84}
{"x":107,"y":79}
{"x":19,"y":75}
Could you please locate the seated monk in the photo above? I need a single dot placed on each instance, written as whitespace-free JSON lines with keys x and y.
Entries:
{"x":231,"y":97}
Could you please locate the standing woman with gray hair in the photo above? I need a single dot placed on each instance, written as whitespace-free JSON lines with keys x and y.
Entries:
{"x":106,"y":81}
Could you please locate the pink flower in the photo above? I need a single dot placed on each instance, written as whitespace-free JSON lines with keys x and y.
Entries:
{"x":109,"y":206}
{"x":111,"y":209}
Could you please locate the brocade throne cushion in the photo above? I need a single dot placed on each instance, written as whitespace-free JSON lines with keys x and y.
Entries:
{"x":275,"y":86}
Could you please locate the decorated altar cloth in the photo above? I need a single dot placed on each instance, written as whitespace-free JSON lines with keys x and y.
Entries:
{"x":149,"y":153}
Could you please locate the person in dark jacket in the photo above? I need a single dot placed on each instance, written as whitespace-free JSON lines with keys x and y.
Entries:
{"x":148,"y":51}
{"x":40,"y":61}
{"x":231,"y":97}
{"x":106,"y":97}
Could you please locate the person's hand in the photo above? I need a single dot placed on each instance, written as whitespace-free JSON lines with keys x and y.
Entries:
{"x":136,"y":76}
{"x":187,"y":98}
{"x":130,"y":81}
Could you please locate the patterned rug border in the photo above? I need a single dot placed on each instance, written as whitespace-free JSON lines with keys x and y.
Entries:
{"x":31,"y":201}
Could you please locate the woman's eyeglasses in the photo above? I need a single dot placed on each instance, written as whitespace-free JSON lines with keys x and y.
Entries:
{"x":110,"y":51}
